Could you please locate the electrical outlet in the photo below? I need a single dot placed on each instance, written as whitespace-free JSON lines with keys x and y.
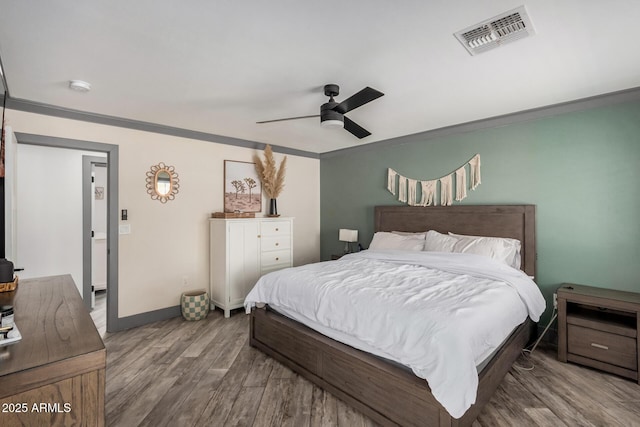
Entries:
{"x":185,"y":281}
{"x":555,"y":300}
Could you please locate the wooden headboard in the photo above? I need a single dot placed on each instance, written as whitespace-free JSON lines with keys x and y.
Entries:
{"x":514,"y":221}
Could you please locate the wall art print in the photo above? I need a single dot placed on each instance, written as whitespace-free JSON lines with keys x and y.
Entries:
{"x":242,"y":187}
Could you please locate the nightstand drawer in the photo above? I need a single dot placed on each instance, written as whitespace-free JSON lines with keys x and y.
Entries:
{"x":603,"y":346}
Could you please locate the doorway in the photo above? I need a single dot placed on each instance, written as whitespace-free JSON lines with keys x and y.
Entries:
{"x":94,"y":207}
{"x":111,"y":194}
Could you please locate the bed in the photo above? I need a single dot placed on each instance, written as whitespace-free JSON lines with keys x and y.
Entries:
{"x":389,"y":393}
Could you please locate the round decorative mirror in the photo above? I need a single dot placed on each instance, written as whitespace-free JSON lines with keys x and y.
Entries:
{"x":162,"y":182}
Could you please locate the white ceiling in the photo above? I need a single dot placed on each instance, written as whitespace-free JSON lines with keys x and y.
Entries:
{"x":220,"y":66}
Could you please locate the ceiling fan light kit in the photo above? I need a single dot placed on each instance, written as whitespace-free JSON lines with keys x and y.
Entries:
{"x":332,"y":113}
{"x":332,"y":124}
{"x":329,"y":118}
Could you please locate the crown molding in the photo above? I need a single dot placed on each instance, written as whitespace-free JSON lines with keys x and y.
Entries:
{"x":67,"y":113}
{"x":628,"y":95}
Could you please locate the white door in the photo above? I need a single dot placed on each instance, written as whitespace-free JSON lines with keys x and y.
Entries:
{"x":244,"y":254}
{"x":99,"y":227}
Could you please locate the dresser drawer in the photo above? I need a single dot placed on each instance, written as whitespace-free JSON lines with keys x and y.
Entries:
{"x":281,"y":258}
{"x":272,"y":268}
{"x":603,"y":346}
{"x":275,"y":228}
{"x":272,"y":243}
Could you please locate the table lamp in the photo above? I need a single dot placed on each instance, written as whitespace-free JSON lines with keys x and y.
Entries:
{"x":348,"y":236}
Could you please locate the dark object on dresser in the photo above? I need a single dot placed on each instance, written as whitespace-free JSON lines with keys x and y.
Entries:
{"x":599,"y":328}
{"x":6,"y":271}
{"x":385,"y":392}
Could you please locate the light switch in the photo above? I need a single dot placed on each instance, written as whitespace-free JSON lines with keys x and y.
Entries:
{"x":125,"y":229}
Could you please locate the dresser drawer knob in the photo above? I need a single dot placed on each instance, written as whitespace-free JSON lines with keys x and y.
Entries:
{"x":277,"y":229}
{"x":277,"y":259}
{"x":277,"y":243}
{"x":603,"y":347}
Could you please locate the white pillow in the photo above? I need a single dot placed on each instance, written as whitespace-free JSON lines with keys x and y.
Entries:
{"x":499,"y":248}
{"x":406,"y":233}
{"x":384,"y":240}
{"x":438,"y":242}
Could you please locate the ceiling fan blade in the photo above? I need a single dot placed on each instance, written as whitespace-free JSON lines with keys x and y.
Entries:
{"x":288,"y":118}
{"x":365,"y":95}
{"x":355,"y":128}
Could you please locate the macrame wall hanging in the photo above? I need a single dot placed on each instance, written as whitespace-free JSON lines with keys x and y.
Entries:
{"x":407,"y":187}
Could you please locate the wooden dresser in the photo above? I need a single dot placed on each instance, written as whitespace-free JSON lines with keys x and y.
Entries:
{"x":56,"y":374}
{"x":599,"y":328}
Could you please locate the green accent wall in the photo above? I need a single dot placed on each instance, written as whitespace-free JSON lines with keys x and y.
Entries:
{"x":581,"y":170}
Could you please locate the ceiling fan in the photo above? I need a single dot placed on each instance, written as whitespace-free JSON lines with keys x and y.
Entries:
{"x":332,"y":113}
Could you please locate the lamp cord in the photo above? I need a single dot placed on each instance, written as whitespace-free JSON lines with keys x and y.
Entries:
{"x":528,"y":352}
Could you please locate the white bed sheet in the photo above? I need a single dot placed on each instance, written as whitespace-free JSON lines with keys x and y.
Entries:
{"x":438,"y":314}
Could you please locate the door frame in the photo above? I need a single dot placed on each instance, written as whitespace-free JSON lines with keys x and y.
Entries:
{"x":113,"y":321}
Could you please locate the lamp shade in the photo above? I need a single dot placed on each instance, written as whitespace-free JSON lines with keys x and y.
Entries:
{"x":347,"y":235}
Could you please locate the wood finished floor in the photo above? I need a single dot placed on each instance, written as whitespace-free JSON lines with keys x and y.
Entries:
{"x":99,"y":312}
{"x":179,"y":373}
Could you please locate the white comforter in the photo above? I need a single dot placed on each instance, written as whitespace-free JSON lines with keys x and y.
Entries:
{"x":440,"y":314}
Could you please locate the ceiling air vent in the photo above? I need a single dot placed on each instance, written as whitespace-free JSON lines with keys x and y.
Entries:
{"x":490,"y":34}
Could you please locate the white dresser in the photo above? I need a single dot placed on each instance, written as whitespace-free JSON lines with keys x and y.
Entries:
{"x":242,"y":250}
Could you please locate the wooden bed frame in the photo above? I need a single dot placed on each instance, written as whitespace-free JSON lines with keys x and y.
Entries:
{"x":387,"y":393}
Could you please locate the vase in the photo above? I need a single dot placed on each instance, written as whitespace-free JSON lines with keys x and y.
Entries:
{"x":273,"y":208}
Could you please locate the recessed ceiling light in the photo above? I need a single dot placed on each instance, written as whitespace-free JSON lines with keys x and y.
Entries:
{"x":79,"y":85}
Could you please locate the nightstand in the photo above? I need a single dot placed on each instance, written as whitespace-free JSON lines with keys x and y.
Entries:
{"x":599,"y":328}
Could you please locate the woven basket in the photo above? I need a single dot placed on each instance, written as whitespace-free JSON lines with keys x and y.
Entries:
{"x":195,"y":305}
{"x":9,"y":286}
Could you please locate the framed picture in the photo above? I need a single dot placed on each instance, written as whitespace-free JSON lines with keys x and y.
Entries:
{"x":99,"y":192}
{"x":242,"y":187}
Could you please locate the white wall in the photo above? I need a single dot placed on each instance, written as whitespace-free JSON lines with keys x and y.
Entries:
{"x":170,"y":241}
{"x":49,"y":212}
